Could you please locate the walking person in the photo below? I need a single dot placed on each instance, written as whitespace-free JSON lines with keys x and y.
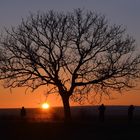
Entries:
{"x":23,"y":112}
{"x":102,"y":109}
{"x":130,"y":113}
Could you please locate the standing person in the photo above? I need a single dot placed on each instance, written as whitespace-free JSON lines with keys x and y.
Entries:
{"x":23,"y":112}
{"x":101,"y":112}
{"x":130,"y":112}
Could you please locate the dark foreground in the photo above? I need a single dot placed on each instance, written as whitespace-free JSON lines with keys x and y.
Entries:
{"x":75,"y":130}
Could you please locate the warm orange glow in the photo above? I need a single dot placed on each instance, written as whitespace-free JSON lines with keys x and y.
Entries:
{"x":30,"y":100}
{"x":45,"y":106}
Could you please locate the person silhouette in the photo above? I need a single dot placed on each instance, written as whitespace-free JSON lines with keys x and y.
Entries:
{"x":23,"y":112}
{"x":130,"y":112}
{"x":101,"y":112}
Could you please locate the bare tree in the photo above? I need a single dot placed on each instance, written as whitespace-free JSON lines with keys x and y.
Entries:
{"x":77,"y":55}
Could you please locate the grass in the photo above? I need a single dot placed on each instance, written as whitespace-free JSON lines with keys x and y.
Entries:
{"x":84,"y":128}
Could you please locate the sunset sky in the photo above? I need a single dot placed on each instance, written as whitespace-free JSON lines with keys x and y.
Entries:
{"x":125,"y":12}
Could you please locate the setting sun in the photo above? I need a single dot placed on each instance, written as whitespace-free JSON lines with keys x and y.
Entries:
{"x":45,"y":106}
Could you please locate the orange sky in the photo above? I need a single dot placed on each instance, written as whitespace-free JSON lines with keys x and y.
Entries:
{"x":18,"y":98}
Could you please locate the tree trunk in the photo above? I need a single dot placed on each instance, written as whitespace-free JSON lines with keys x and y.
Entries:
{"x":66,"y":105}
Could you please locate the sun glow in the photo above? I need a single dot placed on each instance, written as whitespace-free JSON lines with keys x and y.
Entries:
{"x":45,"y":106}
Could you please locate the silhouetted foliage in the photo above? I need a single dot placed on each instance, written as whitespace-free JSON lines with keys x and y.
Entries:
{"x":76,"y":54}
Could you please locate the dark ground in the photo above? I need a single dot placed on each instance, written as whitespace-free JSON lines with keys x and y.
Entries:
{"x":111,"y":129}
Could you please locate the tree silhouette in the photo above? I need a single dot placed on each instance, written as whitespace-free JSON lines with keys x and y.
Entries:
{"x":75,"y":54}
